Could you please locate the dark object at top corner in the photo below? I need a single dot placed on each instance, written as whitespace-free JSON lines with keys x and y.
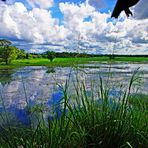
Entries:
{"x":123,"y":5}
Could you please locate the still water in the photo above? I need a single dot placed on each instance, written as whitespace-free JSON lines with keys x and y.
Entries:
{"x":42,"y":85}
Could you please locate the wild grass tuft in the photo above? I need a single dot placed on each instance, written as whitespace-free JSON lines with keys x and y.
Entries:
{"x":86,"y":120}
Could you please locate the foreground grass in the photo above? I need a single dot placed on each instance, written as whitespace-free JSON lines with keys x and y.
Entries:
{"x":138,"y":100}
{"x":70,"y":61}
{"x":88,"y":121}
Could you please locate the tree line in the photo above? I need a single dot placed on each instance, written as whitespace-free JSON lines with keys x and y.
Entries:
{"x":8,"y":53}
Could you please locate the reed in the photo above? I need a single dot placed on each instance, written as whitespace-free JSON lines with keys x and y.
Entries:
{"x":83,"y":119}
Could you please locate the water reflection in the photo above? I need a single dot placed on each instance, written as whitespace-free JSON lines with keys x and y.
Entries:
{"x":54,"y":101}
{"x":50,"y":70}
{"x":6,"y":75}
{"x":38,"y":85}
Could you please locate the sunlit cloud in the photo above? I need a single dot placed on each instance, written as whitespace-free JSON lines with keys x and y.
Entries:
{"x":83,"y":28}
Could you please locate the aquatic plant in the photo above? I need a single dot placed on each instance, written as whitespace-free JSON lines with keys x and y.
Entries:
{"x":83,"y":118}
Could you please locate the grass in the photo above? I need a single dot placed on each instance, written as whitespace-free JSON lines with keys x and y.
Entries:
{"x":132,"y":59}
{"x":138,"y":100}
{"x":69,"y":61}
{"x":86,"y":120}
{"x":61,"y":62}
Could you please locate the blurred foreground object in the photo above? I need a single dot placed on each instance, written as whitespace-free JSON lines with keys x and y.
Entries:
{"x":123,"y":5}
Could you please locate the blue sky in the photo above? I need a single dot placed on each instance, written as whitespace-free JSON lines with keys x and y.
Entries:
{"x":72,"y":25}
{"x":107,"y":5}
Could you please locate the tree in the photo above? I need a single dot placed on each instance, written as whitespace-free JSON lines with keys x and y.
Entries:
{"x":7,"y":52}
{"x":4,"y":42}
{"x":21,"y":54}
{"x":51,"y":55}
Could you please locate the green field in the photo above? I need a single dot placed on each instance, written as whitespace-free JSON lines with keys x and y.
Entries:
{"x":70,"y":61}
{"x":45,"y":62}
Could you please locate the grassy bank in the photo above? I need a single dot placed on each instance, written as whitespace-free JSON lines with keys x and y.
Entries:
{"x":83,"y":120}
{"x":70,"y":61}
{"x":56,"y":62}
{"x":131,"y":59}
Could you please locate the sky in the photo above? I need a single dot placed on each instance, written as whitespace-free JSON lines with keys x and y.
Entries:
{"x":74,"y":26}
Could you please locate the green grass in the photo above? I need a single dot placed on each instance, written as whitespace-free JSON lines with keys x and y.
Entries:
{"x":58,"y":62}
{"x":138,"y":100}
{"x":132,"y":59}
{"x":88,"y":123}
{"x":69,"y":61}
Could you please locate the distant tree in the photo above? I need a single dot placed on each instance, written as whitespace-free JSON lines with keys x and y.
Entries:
{"x":21,"y":54}
{"x":51,"y":55}
{"x":27,"y":56}
{"x":111,"y":56}
{"x":7,"y":52}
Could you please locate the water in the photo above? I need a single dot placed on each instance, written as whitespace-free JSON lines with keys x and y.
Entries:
{"x":39,"y":85}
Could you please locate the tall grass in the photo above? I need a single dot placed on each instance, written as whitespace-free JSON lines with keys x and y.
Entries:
{"x":83,"y":120}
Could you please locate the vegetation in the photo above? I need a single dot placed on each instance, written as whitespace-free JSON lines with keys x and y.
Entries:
{"x":4,"y":42}
{"x":81,"y":119}
{"x":4,"y":45}
{"x":22,"y":54}
{"x":138,"y":100}
{"x":9,"y":53}
{"x":18,"y":57}
{"x":45,"y":62}
{"x":69,"y":61}
{"x":51,"y":55}
{"x":6,"y":75}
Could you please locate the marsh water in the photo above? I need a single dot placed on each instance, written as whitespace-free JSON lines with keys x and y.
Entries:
{"x":42,"y":85}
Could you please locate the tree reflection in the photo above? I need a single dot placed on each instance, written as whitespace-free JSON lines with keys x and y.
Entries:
{"x":6,"y":75}
{"x":50,"y":70}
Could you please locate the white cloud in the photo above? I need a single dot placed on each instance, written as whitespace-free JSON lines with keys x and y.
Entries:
{"x":98,"y":34}
{"x":41,"y":3}
{"x":74,"y":17}
{"x":36,"y":25}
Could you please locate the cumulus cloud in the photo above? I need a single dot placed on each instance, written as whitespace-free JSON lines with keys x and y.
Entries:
{"x":100,"y":30}
{"x":37,"y":31}
{"x":36,"y":25}
{"x":34,"y":3}
{"x":74,"y":16}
